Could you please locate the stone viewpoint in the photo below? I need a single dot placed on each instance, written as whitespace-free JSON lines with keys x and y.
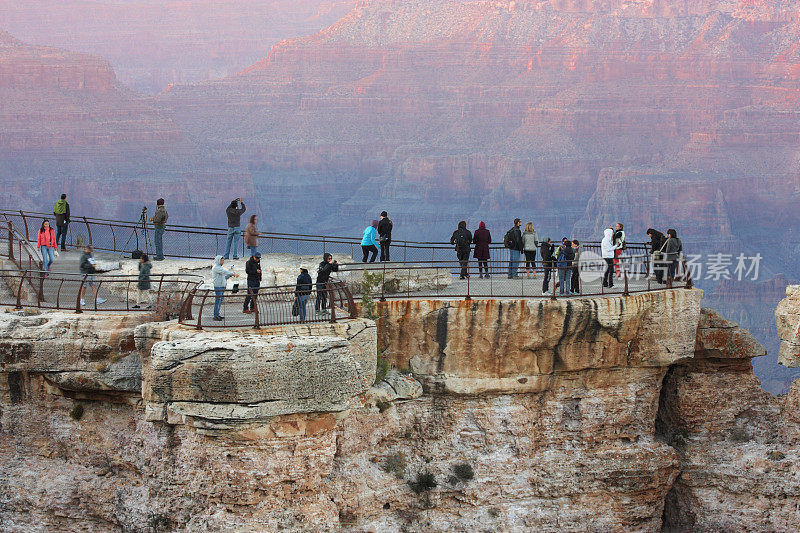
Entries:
{"x":606,"y":414}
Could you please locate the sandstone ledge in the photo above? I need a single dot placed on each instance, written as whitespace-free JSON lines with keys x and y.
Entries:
{"x":521,"y":346}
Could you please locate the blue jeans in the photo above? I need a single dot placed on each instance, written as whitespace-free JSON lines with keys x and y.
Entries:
{"x":302,"y":300}
{"x":513,"y":263}
{"x":218,"y":292}
{"x":252,"y":292}
{"x":564,"y":279}
{"x":158,"y":241}
{"x":61,"y":234}
{"x":253,"y":250}
{"x":47,"y":257}
{"x":232,"y":242}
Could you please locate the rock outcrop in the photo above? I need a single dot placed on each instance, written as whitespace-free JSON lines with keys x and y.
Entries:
{"x":739,"y":447}
{"x":787,"y":317}
{"x":614,"y":414}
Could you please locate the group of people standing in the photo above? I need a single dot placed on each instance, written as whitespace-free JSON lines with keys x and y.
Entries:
{"x":378,"y":235}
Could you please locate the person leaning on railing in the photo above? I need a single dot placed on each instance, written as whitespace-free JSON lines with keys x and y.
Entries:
{"x":369,"y":242}
{"x":159,"y":221}
{"x":462,"y":240}
{"x":575,"y":284}
{"x":672,"y":249}
{"x":324,"y":271}
{"x":385,"y":235}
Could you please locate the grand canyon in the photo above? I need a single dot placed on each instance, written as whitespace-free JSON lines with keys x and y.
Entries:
{"x":573,"y":114}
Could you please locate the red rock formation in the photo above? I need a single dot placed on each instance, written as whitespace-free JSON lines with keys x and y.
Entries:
{"x":152,"y":44}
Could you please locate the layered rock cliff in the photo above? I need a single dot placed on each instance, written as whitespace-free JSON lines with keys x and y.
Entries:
{"x":535,"y":415}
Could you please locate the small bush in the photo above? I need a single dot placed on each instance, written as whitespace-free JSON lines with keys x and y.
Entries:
{"x":464,"y":472}
{"x":381,"y":368}
{"x":776,"y":456}
{"x":369,"y":286}
{"x":391,"y":286}
{"x":77,"y":412}
{"x":167,"y":308}
{"x":383,"y":406}
{"x":395,"y":464}
{"x":740,"y":435}
{"x":425,"y":482}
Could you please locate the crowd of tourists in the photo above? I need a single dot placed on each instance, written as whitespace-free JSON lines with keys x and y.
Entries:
{"x":561,"y":259}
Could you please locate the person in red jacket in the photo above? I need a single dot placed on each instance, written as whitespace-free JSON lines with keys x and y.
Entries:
{"x":47,"y":244}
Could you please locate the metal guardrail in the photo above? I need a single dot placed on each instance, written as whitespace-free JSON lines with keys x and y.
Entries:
{"x":203,"y":243}
{"x":273,"y":306}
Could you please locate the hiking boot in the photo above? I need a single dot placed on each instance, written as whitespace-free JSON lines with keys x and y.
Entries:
{"x":219,"y":318}
{"x":101,"y":301}
{"x":137,"y":306}
{"x":83,"y":302}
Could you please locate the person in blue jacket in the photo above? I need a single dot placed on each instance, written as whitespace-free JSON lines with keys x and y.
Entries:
{"x":369,"y":244}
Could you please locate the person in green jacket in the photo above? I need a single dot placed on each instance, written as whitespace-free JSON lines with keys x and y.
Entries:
{"x":61,"y":214}
{"x":143,"y":285}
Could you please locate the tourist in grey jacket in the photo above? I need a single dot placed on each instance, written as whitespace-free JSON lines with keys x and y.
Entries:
{"x":530,"y":243}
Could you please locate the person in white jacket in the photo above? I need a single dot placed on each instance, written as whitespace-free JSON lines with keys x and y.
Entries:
{"x":221,"y":275}
{"x":607,"y":248}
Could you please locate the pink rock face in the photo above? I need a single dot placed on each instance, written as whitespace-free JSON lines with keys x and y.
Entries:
{"x":450,"y":110}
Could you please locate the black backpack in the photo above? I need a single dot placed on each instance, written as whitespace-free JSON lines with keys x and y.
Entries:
{"x":462,"y":241}
{"x":508,"y":240}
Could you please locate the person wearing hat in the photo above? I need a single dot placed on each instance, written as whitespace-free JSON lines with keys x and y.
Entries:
{"x":253,"y":270}
{"x":385,"y":235}
{"x":302,"y":291}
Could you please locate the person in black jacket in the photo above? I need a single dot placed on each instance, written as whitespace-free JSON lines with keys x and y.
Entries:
{"x":657,"y":240}
{"x":385,"y":235}
{"x":462,"y":240}
{"x":513,"y":241}
{"x":302,"y":290}
{"x":546,"y":252}
{"x":253,"y":270}
{"x":324,"y":271}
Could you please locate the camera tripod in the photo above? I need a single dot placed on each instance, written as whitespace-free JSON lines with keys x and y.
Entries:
{"x":140,"y":226}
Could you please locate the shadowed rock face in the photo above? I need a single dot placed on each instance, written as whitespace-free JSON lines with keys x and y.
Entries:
{"x":738,"y":445}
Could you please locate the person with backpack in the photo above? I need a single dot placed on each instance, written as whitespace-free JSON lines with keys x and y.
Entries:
{"x":530,"y":243}
{"x":565,"y":256}
{"x":143,"y":285}
{"x":234,"y":214}
{"x":657,"y":240}
{"x":607,"y":249}
{"x":327,"y":267}
{"x":385,"y":235}
{"x":672,"y":251}
{"x":513,"y":241}
{"x":302,"y":290}
{"x":575,"y":283}
{"x":159,"y":220}
{"x":61,"y":216}
{"x":253,"y":270}
{"x":46,"y":241}
{"x":619,"y":242}
{"x":462,"y":240}
{"x":546,"y":253}
{"x":482,"y":239}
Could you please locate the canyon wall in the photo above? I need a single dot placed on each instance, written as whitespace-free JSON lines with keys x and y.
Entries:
{"x":534,"y":415}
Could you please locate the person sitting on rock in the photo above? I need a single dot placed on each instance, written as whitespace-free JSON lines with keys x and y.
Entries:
{"x":324,"y":271}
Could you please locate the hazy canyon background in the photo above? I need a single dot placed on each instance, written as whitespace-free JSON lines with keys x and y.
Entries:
{"x":570,"y":113}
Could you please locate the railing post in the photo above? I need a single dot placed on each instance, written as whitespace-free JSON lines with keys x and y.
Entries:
{"x":688,"y":275}
{"x":158,"y":294}
{"x":553,"y":279}
{"x":25,"y":222}
{"x":625,"y":276}
{"x":19,"y":290}
{"x":40,"y":292}
{"x":11,"y":241}
{"x":383,"y":283}
{"x":78,"y":309}
{"x":200,"y":312}
{"x":88,"y":230}
{"x":332,"y":303}
{"x":255,"y":307}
